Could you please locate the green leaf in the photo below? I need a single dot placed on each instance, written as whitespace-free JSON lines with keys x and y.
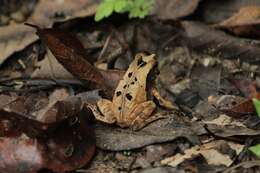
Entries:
{"x":105,"y":9}
{"x":140,"y":8}
{"x":136,"y":8}
{"x":257,"y":106}
{"x":121,"y":6}
{"x":134,"y":12}
{"x":255,"y":149}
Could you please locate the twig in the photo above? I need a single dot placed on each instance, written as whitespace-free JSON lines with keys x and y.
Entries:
{"x":100,"y":57}
{"x":247,"y":164}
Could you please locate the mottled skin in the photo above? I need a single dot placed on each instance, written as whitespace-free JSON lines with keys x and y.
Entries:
{"x":129,"y":106}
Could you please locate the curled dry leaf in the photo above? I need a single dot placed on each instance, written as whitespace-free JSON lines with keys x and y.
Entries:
{"x":243,"y":22}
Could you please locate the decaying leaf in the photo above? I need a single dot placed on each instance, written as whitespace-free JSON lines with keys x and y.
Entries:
{"x":234,"y":131}
{"x":57,"y":132}
{"x":69,"y":51}
{"x":15,"y":37}
{"x":167,"y":129}
{"x":244,"y":21}
{"x":175,"y":9}
{"x":237,"y":106}
{"x":50,"y":68}
{"x":213,"y":12}
{"x":209,"y":151}
{"x":217,"y":43}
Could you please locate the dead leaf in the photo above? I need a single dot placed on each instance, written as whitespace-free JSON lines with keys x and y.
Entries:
{"x":213,"y":12}
{"x":233,"y":131}
{"x":247,"y":87}
{"x":217,"y":43}
{"x":235,"y":106}
{"x":244,"y":22}
{"x":248,"y":15}
{"x":223,"y":120}
{"x":50,"y":68}
{"x":15,"y":37}
{"x":168,"y":129}
{"x":69,"y":51}
{"x":174,"y":9}
{"x":69,"y":147}
{"x":60,"y":135}
{"x":209,"y":151}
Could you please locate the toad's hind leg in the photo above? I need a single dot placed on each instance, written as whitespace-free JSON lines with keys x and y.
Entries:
{"x":142,"y":113}
{"x":106,"y":114}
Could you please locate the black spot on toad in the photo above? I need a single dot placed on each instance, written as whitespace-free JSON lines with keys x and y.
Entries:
{"x":130,"y":74}
{"x":118,"y":93}
{"x":128,"y":96}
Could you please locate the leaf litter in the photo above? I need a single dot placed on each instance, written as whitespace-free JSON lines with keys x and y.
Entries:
{"x":207,"y":75}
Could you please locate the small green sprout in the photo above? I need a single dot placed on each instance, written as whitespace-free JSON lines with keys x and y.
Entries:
{"x":255,"y":149}
{"x":135,"y":8}
{"x":257,"y":106}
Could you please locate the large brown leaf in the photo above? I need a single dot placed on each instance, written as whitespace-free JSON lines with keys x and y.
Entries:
{"x":175,"y":9}
{"x":69,"y":51}
{"x":244,"y":22}
{"x":207,"y":40}
{"x":54,"y":135}
{"x":15,"y":37}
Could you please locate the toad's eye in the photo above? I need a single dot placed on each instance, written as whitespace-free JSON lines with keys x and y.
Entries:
{"x":141,"y":63}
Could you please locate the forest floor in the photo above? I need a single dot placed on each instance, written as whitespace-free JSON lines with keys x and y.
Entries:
{"x":206,"y":72}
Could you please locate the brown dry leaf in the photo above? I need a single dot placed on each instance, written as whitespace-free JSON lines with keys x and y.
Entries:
{"x":218,"y":11}
{"x":15,"y":37}
{"x":224,"y":120}
{"x":69,"y":51}
{"x":50,"y":68}
{"x":244,"y":21}
{"x":168,"y":129}
{"x":217,"y":43}
{"x":209,"y":151}
{"x":175,"y":9}
{"x":235,"y":106}
{"x":249,"y":15}
{"x":59,"y":136}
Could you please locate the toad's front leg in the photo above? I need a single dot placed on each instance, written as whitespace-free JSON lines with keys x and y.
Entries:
{"x":105,"y":112}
